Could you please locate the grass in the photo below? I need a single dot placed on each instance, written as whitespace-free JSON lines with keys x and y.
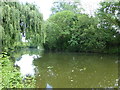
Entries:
{"x":10,"y":76}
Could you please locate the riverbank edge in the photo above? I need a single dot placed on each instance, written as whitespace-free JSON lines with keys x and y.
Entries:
{"x":10,"y":76}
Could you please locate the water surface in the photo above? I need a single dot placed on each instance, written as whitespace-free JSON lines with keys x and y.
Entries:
{"x":76,"y":70}
{"x":73,"y":70}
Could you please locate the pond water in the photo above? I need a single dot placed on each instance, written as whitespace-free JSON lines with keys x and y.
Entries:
{"x":73,"y":70}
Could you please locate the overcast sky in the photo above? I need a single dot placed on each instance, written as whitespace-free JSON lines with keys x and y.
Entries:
{"x":45,"y":5}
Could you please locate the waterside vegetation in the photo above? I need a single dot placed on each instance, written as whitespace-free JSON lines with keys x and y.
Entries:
{"x":67,"y":29}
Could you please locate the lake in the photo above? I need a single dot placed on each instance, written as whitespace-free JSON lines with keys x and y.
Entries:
{"x":73,"y":70}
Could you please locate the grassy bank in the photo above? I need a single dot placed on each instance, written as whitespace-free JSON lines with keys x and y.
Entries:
{"x":10,"y":75}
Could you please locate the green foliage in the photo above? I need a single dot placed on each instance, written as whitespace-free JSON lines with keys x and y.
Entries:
{"x":20,"y":20}
{"x":109,"y":18}
{"x":56,"y":28}
{"x":109,"y":13}
{"x":66,"y":30}
{"x":66,"y":5}
{"x":73,"y":32}
{"x":10,"y":76}
{"x":17,"y":20}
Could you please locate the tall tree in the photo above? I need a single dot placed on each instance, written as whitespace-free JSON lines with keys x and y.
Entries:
{"x":73,"y":6}
{"x":109,"y":18}
{"x":109,"y":13}
{"x":67,"y":30}
{"x":20,"y":19}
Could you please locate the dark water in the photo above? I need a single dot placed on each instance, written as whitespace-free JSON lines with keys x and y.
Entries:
{"x":76,"y":70}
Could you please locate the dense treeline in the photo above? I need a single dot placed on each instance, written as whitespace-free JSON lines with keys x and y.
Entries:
{"x":67,"y":30}
{"x":19,"y":20}
{"x":74,"y":32}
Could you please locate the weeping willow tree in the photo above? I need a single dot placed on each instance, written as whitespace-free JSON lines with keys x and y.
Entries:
{"x":17,"y":21}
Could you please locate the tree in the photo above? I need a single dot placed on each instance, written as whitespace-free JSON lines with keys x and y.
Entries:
{"x":69,"y":31}
{"x":109,"y":18}
{"x":20,"y":19}
{"x":109,"y":14}
{"x":66,"y":5}
{"x":57,"y":30}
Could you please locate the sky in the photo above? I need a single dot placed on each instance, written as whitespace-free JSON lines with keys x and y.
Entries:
{"x":45,"y":6}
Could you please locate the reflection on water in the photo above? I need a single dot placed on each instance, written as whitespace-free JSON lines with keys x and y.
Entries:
{"x":26,"y":64}
{"x":24,"y":59}
{"x":48,"y":86}
{"x":70,"y":70}
{"x":73,"y":70}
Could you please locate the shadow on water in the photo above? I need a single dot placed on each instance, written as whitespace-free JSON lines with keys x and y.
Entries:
{"x":69,"y":70}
